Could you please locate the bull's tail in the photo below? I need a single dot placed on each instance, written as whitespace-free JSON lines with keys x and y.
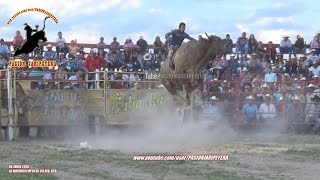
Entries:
{"x":44,"y":22}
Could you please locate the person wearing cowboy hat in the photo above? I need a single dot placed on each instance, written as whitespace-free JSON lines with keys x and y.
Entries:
{"x":143,"y":45}
{"x":76,"y":63}
{"x":286,"y":46}
{"x":250,"y":111}
{"x":211,"y":108}
{"x":50,"y":54}
{"x":313,"y":57}
{"x":267,"y":110}
{"x":310,"y":92}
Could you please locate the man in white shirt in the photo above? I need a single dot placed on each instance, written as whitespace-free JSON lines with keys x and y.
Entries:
{"x":267,"y":110}
{"x":286,"y":46}
{"x":61,"y":46}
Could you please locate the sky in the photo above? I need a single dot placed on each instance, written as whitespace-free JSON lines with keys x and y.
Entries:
{"x":88,"y":20}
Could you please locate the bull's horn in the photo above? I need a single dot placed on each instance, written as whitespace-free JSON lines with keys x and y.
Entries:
{"x":207,"y":35}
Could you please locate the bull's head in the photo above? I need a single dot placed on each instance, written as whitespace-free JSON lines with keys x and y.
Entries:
{"x":217,"y":45}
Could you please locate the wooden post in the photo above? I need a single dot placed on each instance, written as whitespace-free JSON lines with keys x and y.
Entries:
{"x":10,"y":105}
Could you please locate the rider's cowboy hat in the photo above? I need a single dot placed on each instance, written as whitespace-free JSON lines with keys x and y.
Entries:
{"x":285,"y":36}
{"x":147,"y":57}
{"x":49,"y":46}
{"x":141,"y":37}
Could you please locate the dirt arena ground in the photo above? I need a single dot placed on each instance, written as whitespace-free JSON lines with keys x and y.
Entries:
{"x":280,"y":157}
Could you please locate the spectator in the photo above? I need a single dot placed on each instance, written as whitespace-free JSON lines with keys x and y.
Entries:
{"x":50,"y":54}
{"x":270,"y":77}
{"x":158,"y":48}
{"x":61,"y":75}
{"x":286,"y":46}
{"x":75,"y":64}
{"x":76,"y":81}
{"x":101,"y":46}
{"x":260,"y":50}
{"x":4,"y":50}
{"x":314,"y":69}
{"x":143,"y":45}
{"x":18,"y":40}
{"x":295,"y":112}
{"x":243,"y":62}
{"x":212,"y":108}
{"x":3,"y":62}
{"x":242,"y":45}
{"x":114,"y":46}
{"x":128,"y":45}
{"x":271,"y":52}
{"x":315,"y":44}
{"x":250,"y":111}
{"x":233,"y":64}
{"x":73,"y":49}
{"x":252,"y":44}
{"x":311,"y":110}
{"x":82,"y":53}
{"x":93,"y":63}
{"x":299,"y":47}
{"x":47,"y":76}
{"x":61,"y":46}
{"x":267,"y":110}
{"x":313,"y":57}
{"x":229,"y":44}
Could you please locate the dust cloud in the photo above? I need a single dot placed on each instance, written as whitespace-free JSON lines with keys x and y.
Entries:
{"x":163,"y":132}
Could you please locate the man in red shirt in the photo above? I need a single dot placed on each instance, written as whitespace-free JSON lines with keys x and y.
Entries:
{"x":92,"y":63}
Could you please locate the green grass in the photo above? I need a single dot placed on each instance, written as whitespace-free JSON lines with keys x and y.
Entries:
{"x":98,"y":175}
{"x":309,"y":152}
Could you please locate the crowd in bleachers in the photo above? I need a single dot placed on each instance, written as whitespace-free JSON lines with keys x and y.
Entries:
{"x":262,"y":73}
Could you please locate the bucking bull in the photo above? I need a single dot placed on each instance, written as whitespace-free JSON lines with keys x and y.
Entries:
{"x":190,"y":60}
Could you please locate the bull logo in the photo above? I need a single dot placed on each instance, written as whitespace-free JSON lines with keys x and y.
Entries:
{"x":34,"y":39}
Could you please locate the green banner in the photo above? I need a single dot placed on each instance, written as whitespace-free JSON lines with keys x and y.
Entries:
{"x":128,"y":105}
